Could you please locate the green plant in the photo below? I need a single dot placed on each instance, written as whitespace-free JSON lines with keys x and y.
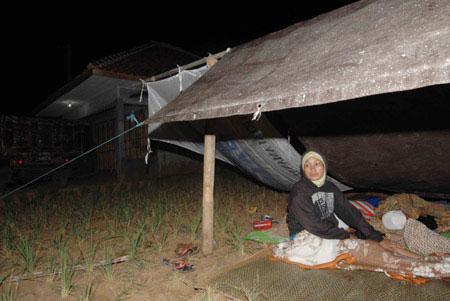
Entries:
{"x":136,"y":241}
{"x":195,"y":225}
{"x":128,"y":214}
{"x":58,"y":242}
{"x":235,"y":239}
{"x":67,"y":273}
{"x":86,"y":293}
{"x":117,"y":213}
{"x":86,"y":215}
{"x":177,"y":222}
{"x":37,"y":228}
{"x":44,"y":214}
{"x":108,"y":266}
{"x":155,"y":221}
{"x":52,"y":269}
{"x":27,"y":253}
{"x":90,"y":256}
{"x":2,"y":278}
{"x":162,"y":239}
{"x":63,"y":222}
{"x":77,"y":232}
{"x":9,"y":293}
{"x":7,"y":239}
{"x":224,"y":217}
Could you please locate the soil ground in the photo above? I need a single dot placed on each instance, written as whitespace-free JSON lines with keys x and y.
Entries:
{"x":37,"y":215}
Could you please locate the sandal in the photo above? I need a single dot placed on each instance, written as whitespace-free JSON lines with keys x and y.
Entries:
{"x":185,"y":250}
{"x":179,"y":264}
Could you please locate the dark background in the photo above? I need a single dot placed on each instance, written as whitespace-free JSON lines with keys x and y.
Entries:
{"x":43,"y":48}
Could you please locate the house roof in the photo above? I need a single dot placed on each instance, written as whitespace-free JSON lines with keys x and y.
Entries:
{"x":142,"y":62}
{"x":366,"y":48}
{"x":95,"y":89}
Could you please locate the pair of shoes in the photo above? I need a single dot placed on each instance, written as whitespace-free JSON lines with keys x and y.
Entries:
{"x":185,"y":250}
{"x":179,"y":264}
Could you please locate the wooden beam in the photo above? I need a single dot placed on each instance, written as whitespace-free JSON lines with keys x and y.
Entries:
{"x":208,"y":193}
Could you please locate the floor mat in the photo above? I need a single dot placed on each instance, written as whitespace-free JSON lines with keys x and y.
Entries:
{"x":263,"y":279}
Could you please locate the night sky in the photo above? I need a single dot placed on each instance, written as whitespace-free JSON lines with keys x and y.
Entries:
{"x":37,"y":43}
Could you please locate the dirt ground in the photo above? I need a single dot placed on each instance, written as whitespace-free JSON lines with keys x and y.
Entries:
{"x":145,"y":277}
{"x":108,"y":217}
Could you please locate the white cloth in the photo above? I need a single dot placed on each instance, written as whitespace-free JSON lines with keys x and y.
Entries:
{"x":394,"y":220}
{"x":308,"y":249}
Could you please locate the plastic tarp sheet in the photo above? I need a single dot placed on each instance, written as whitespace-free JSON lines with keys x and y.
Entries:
{"x":369,"y":47}
{"x":255,"y":147}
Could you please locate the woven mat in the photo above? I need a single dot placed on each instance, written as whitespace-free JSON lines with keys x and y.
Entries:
{"x":262,"y":279}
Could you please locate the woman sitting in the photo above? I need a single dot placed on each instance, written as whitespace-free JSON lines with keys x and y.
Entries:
{"x":318,"y":215}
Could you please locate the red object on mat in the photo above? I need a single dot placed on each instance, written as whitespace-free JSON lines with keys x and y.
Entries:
{"x":262,"y":225}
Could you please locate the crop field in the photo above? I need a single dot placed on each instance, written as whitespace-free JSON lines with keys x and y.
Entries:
{"x":108,"y":241}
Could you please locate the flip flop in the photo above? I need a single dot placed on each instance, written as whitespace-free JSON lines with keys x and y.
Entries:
{"x":185,"y":250}
{"x":179,"y":264}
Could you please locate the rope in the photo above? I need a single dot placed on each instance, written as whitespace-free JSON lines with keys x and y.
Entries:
{"x":180,"y":79}
{"x":142,"y":89}
{"x":70,"y":161}
{"x":257,"y":113}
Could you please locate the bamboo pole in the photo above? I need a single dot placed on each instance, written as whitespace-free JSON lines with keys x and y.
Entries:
{"x":188,"y":66}
{"x":208,"y":193}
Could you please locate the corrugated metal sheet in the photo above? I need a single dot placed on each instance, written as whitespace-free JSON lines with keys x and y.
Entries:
{"x":366,"y":48}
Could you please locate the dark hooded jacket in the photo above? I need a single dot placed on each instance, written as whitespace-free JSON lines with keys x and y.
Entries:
{"x":312,"y":208}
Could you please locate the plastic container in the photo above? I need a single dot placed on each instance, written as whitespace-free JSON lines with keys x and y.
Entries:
{"x":262,"y":225}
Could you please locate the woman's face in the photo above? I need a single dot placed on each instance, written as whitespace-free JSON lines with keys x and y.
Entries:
{"x":313,"y":169}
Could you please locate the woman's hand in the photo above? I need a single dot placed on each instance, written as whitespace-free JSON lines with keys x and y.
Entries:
{"x":352,"y":236}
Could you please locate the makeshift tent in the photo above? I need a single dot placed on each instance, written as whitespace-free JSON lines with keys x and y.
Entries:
{"x":371,"y":47}
{"x":255,"y":148}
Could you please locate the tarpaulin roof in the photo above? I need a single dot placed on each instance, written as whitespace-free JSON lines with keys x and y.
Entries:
{"x":366,"y":48}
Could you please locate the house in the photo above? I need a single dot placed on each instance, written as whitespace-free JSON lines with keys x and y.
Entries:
{"x":108,"y":91}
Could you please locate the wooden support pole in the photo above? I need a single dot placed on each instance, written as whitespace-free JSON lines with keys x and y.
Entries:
{"x":120,"y":147}
{"x":208,"y":193}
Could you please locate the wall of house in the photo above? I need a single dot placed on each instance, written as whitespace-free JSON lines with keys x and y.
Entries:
{"x":164,"y":161}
